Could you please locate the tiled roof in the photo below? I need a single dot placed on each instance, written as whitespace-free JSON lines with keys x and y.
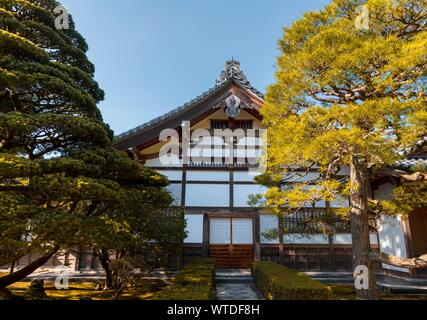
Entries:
{"x":413,"y":162}
{"x":231,"y":72}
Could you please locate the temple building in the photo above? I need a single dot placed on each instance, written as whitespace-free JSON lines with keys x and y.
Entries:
{"x":214,"y":187}
{"x":211,"y":150}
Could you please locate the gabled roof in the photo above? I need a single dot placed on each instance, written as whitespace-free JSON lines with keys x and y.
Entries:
{"x":231,"y":74}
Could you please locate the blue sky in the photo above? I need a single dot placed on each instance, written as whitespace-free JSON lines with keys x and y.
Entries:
{"x":154,"y":55}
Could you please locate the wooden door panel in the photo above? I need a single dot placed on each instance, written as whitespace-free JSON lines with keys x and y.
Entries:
{"x":231,"y":242}
{"x":418,"y":226}
{"x":242,"y":256}
{"x":221,"y":253}
{"x":232,"y":256}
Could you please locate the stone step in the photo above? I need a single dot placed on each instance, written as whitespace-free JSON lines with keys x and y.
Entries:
{"x":233,"y":279}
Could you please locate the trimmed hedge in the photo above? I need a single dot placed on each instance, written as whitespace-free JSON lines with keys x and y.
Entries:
{"x":277,"y":282}
{"x":195,"y":282}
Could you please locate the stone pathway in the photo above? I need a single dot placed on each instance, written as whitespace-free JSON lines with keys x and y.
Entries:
{"x":235,"y":285}
{"x":236,"y":291}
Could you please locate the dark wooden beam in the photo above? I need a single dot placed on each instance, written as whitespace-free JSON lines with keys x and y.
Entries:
{"x":257,"y":239}
{"x":184,"y":186}
{"x":206,"y":235}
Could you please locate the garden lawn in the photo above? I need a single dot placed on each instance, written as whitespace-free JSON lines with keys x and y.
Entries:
{"x":85,"y":290}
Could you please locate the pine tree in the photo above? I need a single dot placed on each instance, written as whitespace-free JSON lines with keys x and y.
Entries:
{"x":347,"y":96}
{"x":62,"y":183}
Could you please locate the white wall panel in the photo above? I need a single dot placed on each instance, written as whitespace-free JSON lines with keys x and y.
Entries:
{"x":373,"y":237}
{"x":220,"y":231}
{"x":175,"y":189}
{"x":268,"y":223}
{"x":243,"y":231}
{"x":245,"y":176}
{"x":194,"y":228}
{"x":312,"y":239}
{"x":345,"y":238}
{"x":171,"y":175}
{"x":208,"y":176}
{"x":207,"y":195}
{"x":242,"y":193}
{"x":392,"y":239}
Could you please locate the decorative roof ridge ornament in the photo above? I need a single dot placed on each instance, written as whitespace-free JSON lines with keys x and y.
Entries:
{"x":233,"y":104}
{"x":232,"y":70}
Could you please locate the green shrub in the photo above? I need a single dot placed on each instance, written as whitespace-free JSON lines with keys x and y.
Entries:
{"x":195,"y":282}
{"x":280,"y":283}
{"x":177,"y":292}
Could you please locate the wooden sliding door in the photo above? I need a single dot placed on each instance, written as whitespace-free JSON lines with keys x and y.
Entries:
{"x":231,"y":242}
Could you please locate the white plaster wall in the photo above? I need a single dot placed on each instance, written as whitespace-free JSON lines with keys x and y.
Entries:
{"x":245,"y":176}
{"x":175,"y":190}
{"x":267,"y":223}
{"x":242,"y":193}
{"x":243,"y":231}
{"x":312,"y":239}
{"x":345,"y":238}
{"x":392,"y":239}
{"x":194,"y":228}
{"x":171,"y":175}
{"x":391,"y":234}
{"x":208,"y":176}
{"x":207,"y":195}
{"x":220,"y":231}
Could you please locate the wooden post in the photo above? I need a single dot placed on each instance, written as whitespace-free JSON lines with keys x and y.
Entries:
{"x":231,"y":194}
{"x":331,"y":239}
{"x":206,"y":235}
{"x":184,"y":185}
{"x":331,"y":252}
{"x":281,"y":239}
{"x":257,"y":238}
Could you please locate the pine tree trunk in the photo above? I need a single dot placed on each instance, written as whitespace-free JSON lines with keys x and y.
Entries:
{"x":360,"y":225}
{"x":27,"y":270}
{"x":105,"y":262}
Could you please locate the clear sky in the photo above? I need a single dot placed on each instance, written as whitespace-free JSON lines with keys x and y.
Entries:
{"x":154,"y":55}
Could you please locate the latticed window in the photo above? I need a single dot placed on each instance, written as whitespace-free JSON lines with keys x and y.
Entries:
{"x":236,"y":124}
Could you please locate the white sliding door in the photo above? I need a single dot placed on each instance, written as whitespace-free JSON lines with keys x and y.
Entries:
{"x":231,"y":231}
{"x":242,"y":231}
{"x":220,"y":231}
